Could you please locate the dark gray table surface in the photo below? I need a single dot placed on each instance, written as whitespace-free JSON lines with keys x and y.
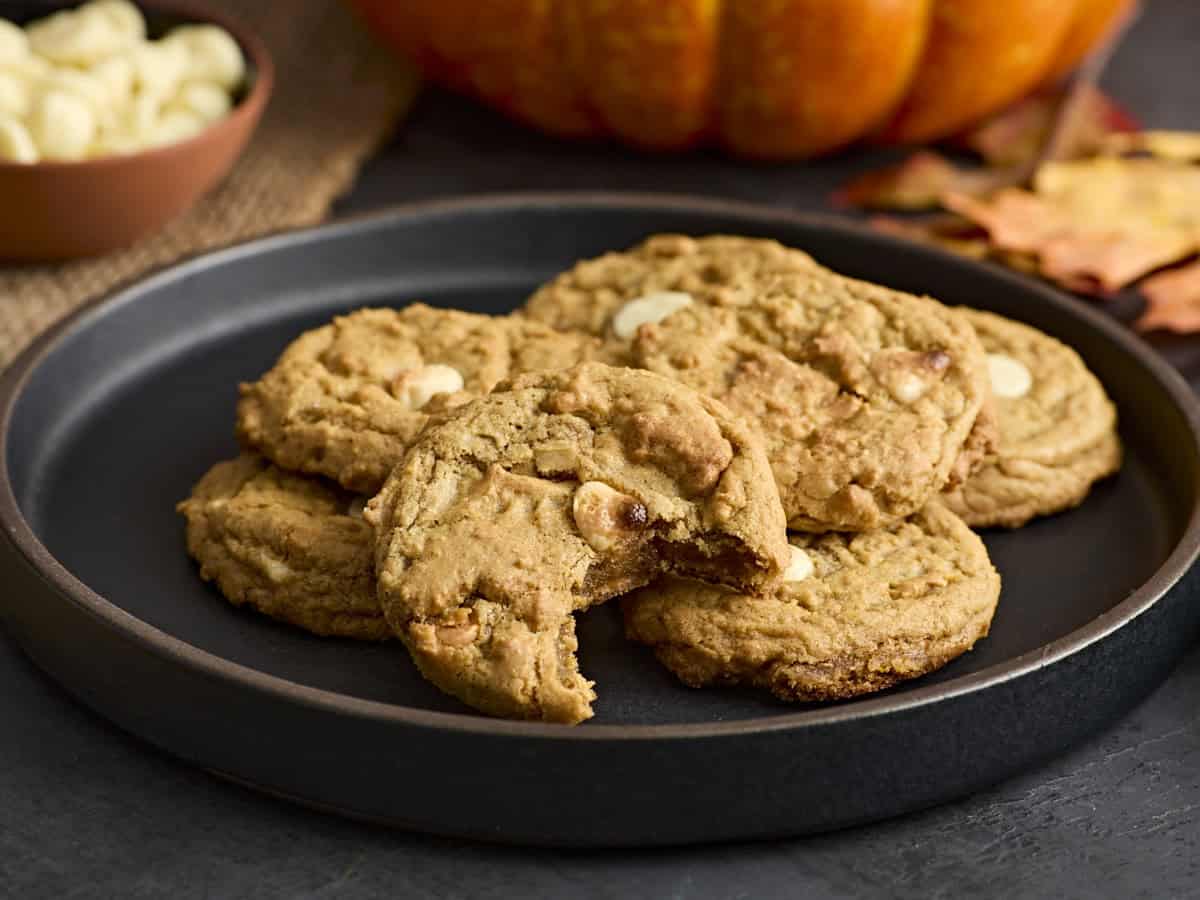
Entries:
{"x":86,"y":811}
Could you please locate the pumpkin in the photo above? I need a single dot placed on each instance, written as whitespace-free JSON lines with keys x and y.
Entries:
{"x":763,"y":78}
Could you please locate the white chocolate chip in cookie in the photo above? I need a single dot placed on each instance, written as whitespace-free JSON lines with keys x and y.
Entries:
{"x":276,"y":570}
{"x":800,"y":567}
{"x":417,"y":387}
{"x":650,"y":308}
{"x":908,"y":388}
{"x":354,"y":509}
{"x":1010,"y":378}
{"x":604,"y":516}
{"x":909,"y":374}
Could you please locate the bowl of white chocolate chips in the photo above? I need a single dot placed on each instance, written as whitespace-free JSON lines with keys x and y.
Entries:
{"x":116,"y":118}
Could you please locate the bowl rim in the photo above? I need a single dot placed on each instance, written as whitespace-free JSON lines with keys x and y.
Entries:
{"x":35,"y":554}
{"x":249,"y":107}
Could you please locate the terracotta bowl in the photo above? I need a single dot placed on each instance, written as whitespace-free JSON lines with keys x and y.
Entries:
{"x":63,"y":210}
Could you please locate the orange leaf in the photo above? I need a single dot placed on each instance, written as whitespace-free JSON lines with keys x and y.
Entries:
{"x":1018,"y":134}
{"x":1108,"y":221}
{"x":948,"y":232}
{"x":1172,"y":300}
{"x":1176,"y":146}
{"x":916,"y":183}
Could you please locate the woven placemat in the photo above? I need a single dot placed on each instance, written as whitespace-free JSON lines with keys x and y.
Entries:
{"x":337,"y":96}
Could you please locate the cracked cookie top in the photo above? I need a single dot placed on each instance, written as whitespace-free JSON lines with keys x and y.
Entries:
{"x":346,"y":400}
{"x":866,"y":397}
{"x":611,"y":295}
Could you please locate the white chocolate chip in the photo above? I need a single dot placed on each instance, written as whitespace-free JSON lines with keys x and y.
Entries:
{"x":116,"y":74}
{"x":15,"y":95}
{"x":800,"y":566}
{"x":908,"y":387}
{"x":78,"y":37}
{"x":29,"y":67}
{"x":276,"y":570}
{"x":175,"y":126}
{"x":356,"y":506}
{"x":1010,"y":378}
{"x":416,"y":387}
{"x":16,"y":145}
{"x":647,"y":309}
{"x":62,"y":125}
{"x":212,"y":53}
{"x":14,"y":45}
{"x":204,"y":99}
{"x":604,"y":516}
{"x":158,"y":69}
{"x":86,"y":87}
{"x":122,"y":16}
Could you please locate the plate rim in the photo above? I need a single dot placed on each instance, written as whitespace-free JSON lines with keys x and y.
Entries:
{"x":202,"y":662}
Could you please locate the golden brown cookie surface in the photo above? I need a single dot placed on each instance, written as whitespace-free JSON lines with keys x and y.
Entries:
{"x":867,"y":398}
{"x":1056,"y":428}
{"x":347,"y":399}
{"x":293,"y":547}
{"x":856,"y":613}
{"x":611,"y":295}
{"x":557,"y":491}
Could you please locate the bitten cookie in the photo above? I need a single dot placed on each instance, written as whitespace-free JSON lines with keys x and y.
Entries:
{"x":292,"y":547}
{"x":868,"y":399}
{"x":1056,"y":427}
{"x":346,"y":400}
{"x":854,"y":614}
{"x":558,"y":491}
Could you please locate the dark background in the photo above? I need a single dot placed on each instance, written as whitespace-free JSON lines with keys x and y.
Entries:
{"x":88,"y":811}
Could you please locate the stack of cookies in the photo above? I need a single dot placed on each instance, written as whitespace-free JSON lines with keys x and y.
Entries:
{"x":773,"y":466}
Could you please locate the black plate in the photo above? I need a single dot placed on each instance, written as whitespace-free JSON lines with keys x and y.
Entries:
{"x":107,"y":422}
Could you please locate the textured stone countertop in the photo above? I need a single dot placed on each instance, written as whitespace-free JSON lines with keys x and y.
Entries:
{"x":86,"y":811}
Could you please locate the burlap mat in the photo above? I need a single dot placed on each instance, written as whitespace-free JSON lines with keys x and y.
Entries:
{"x":337,"y":95}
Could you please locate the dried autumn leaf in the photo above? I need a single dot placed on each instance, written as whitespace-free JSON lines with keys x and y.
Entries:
{"x":1172,"y":300}
{"x":952,"y":233}
{"x":1019,"y":134}
{"x":914,"y":184}
{"x":1176,"y":146}
{"x":1105,"y":220}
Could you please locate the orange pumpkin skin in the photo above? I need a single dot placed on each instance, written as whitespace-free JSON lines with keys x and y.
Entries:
{"x":801,"y":77}
{"x":774,"y":79}
{"x":981,"y":56}
{"x":648,"y":66}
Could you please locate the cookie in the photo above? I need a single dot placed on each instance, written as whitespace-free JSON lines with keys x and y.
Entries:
{"x":293,"y":547}
{"x":612,"y":295}
{"x":556,"y":492}
{"x":856,"y":613}
{"x":346,"y":400}
{"x":1056,"y":428}
{"x":866,"y":397}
